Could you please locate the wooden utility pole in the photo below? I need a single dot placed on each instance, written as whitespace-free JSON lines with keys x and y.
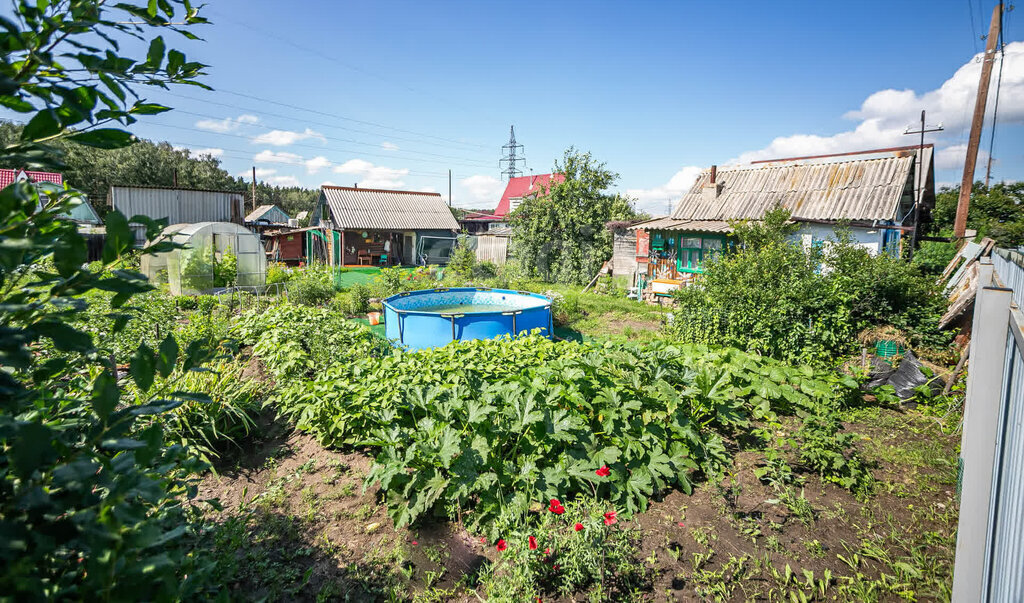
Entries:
{"x":254,"y":188}
{"x":967,"y":182}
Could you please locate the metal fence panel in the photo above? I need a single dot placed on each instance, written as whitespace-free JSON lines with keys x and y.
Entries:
{"x":1006,"y":561}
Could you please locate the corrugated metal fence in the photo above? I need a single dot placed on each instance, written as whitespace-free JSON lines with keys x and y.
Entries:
{"x":990,"y":542}
{"x":176,"y":205}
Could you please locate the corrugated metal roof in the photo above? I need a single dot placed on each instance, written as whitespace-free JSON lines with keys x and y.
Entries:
{"x":856,"y":190}
{"x":260,"y":213}
{"x":691,"y":225}
{"x":375,"y":209}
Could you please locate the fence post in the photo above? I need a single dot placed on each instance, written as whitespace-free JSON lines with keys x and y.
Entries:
{"x":989,"y":332}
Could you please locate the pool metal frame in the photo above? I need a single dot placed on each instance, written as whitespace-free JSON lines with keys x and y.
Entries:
{"x":400,"y":314}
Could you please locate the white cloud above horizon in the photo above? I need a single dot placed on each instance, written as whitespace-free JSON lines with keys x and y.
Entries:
{"x":228,"y":124}
{"x":479,"y":191}
{"x":281,"y":138}
{"x":260,"y":173}
{"x":884,"y":115}
{"x":268,"y":156}
{"x":881,"y":120}
{"x":658,"y":201}
{"x":284,"y":181}
{"x":373,"y":176}
{"x":316,"y":164}
{"x":389,"y":146}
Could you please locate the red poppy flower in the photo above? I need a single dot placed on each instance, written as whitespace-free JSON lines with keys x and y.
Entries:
{"x":556,"y":507}
{"x":681,"y":524}
{"x":533,"y":543}
{"x":555,"y":567}
{"x":501,"y":545}
{"x":578,"y":527}
{"x":604,"y":471}
{"x":414,"y":543}
{"x":609,"y":518}
{"x":547,"y":552}
{"x":483,"y":540}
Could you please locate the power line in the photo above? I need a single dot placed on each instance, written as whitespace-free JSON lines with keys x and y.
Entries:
{"x":974,"y":29}
{"x":321,"y":149}
{"x":234,"y":20}
{"x":242,"y":155}
{"x":453,"y":145}
{"x":270,"y":127}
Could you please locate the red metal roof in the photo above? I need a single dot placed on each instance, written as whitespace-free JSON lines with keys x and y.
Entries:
{"x":523,"y":186}
{"x":9,"y":176}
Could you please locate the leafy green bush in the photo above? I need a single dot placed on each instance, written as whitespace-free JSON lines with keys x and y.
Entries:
{"x":455,"y":428}
{"x":148,"y":318}
{"x":773,"y":297}
{"x":933,"y":257}
{"x":278,"y":273}
{"x":485,"y":270}
{"x":391,"y":281}
{"x":300,"y":340}
{"x":311,"y":286}
{"x":359,"y":299}
{"x":462,"y":261}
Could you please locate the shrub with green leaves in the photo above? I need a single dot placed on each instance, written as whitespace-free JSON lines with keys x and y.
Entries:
{"x":775,"y":298}
{"x":297,"y":341}
{"x":93,"y":504}
{"x":454,"y":427}
{"x":311,"y":286}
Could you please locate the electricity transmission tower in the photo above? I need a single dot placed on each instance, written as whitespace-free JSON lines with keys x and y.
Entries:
{"x":511,"y":153}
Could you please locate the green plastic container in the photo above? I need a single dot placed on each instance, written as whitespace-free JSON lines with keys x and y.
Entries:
{"x":888,"y":349}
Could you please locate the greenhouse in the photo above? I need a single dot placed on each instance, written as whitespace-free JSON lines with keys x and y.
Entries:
{"x":215,"y":255}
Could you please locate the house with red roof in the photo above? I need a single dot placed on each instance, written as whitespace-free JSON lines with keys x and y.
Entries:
{"x":521,"y":187}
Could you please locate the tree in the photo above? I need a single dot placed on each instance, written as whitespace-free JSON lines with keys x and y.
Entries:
{"x":92,"y":500}
{"x":996,"y":211}
{"x":147,"y":163}
{"x":559,"y":234}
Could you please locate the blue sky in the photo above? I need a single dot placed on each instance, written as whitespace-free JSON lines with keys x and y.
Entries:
{"x":393,"y":94}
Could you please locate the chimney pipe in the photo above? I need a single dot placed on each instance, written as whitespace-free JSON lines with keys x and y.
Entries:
{"x":714,"y":173}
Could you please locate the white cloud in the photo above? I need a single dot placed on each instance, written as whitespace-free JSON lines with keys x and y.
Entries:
{"x":284,"y":180}
{"x":268,"y":156}
{"x":329,"y":183}
{"x":228,"y":124}
{"x":884,"y":115}
{"x":281,"y":138}
{"x":658,"y":201}
{"x":389,"y":146}
{"x":316,"y":164}
{"x":953,"y":156}
{"x":212,"y":152}
{"x":372,"y":176}
{"x":479,"y":192}
{"x":260,"y":173}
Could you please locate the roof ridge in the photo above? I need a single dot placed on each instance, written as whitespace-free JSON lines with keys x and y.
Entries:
{"x":378,"y":190}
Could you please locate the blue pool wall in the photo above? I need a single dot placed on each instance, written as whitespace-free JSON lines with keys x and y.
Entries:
{"x":414,"y":329}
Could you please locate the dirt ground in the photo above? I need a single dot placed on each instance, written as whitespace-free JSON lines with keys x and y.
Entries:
{"x":297,"y":526}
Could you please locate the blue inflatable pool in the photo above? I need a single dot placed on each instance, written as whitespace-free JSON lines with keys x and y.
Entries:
{"x":435,"y":317}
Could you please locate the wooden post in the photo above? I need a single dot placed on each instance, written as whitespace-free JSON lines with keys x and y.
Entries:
{"x":967,"y":182}
{"x":254,"y":188}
